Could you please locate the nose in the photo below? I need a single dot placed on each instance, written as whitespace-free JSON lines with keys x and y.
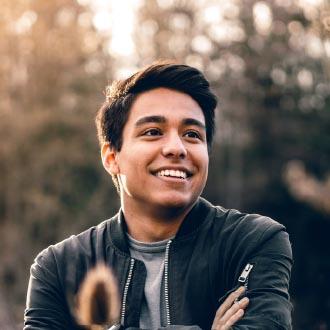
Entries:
{"x":174,"y":147}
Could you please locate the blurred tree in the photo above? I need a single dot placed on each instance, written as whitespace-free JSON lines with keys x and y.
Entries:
{"x":269,"y":63}
{"x":267,"y":60}
{"x":307,"y":188}
{"x":52,"y":184}
{"x":265,"y":74}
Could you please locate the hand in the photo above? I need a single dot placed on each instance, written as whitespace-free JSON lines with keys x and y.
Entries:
{"x":230,"y":311}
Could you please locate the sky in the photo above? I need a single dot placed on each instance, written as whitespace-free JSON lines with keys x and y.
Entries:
{"x":117,"y":18}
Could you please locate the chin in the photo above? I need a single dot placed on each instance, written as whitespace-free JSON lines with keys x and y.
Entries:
{"x":173,"y":202}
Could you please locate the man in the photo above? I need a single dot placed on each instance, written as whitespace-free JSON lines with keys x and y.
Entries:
{"x":178,"y":259}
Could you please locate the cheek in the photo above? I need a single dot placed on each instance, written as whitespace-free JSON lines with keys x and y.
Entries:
{"x":200,"y":160}
{"x":127,"y":160}
{"x":202,"y":157}
{"x":203,"y":164}
{"x":133,"y":164}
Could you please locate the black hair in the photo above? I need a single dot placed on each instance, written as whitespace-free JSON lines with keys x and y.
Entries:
{"x":120,"y":95}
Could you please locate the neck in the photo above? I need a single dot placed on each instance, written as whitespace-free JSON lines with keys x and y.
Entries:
{"x":147,"y":225}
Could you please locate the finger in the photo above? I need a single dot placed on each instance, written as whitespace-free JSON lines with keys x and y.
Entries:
{"x":229,"y":301}
{"x":227,"y":305}
{"x":233,"y":319}
{"x":241,"y":304}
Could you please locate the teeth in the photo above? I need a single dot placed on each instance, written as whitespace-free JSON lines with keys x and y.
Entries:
{"x":172,"y":173}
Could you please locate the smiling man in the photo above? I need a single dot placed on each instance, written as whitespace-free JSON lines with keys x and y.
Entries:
{"x":181,"y":263}
{"x":165,"y":153}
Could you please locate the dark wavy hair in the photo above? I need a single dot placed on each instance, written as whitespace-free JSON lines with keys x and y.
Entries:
{"x":120,"y":95}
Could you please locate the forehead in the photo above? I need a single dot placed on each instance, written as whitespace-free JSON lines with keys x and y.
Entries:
{"x":172,"y":104}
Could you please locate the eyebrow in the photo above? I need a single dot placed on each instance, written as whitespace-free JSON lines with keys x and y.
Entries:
{"x":162,"y":120}
{"x":194,"y":122}
{"x":150,"y":119}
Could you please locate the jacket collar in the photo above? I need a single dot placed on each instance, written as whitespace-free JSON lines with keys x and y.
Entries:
{"x":194,"y":219}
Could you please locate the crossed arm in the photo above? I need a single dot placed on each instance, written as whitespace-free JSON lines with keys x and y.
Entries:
{"x":267,"y":305}
{"x":230,"y":311}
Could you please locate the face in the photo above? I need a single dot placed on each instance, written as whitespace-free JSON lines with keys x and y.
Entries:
{"x":163,"y":162}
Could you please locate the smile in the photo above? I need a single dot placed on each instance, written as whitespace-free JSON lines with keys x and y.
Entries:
{"x":172,"y":174}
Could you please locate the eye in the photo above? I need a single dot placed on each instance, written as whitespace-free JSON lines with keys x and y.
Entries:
{"x":152,"y":132}
{"x":193,"y":135}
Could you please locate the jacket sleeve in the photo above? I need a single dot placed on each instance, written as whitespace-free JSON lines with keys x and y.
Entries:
{"x":46,"y":306}
{"x":267,"y":286}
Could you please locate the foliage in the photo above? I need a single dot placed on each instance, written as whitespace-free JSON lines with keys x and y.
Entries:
{"x":52,"y":182}
{"x":268,"y":61}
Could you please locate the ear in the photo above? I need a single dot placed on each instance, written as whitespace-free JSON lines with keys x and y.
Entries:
{"x":109,"y":158}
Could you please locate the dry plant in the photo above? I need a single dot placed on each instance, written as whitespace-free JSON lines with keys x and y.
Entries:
{"x":98,"y":305}
{"x":305,"y":187}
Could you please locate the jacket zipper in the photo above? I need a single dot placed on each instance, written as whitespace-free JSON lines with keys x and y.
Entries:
{"x":128,"y":281}
{"x":244,"y":277}
{"x":167,"y":302}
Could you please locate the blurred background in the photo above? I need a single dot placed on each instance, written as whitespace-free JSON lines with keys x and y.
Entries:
{"x":269,"y":63}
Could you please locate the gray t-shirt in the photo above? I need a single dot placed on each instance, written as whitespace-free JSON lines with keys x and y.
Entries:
{"x":152,"y":255}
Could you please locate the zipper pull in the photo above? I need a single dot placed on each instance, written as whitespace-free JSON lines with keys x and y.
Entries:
{"x":245,"y":273}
